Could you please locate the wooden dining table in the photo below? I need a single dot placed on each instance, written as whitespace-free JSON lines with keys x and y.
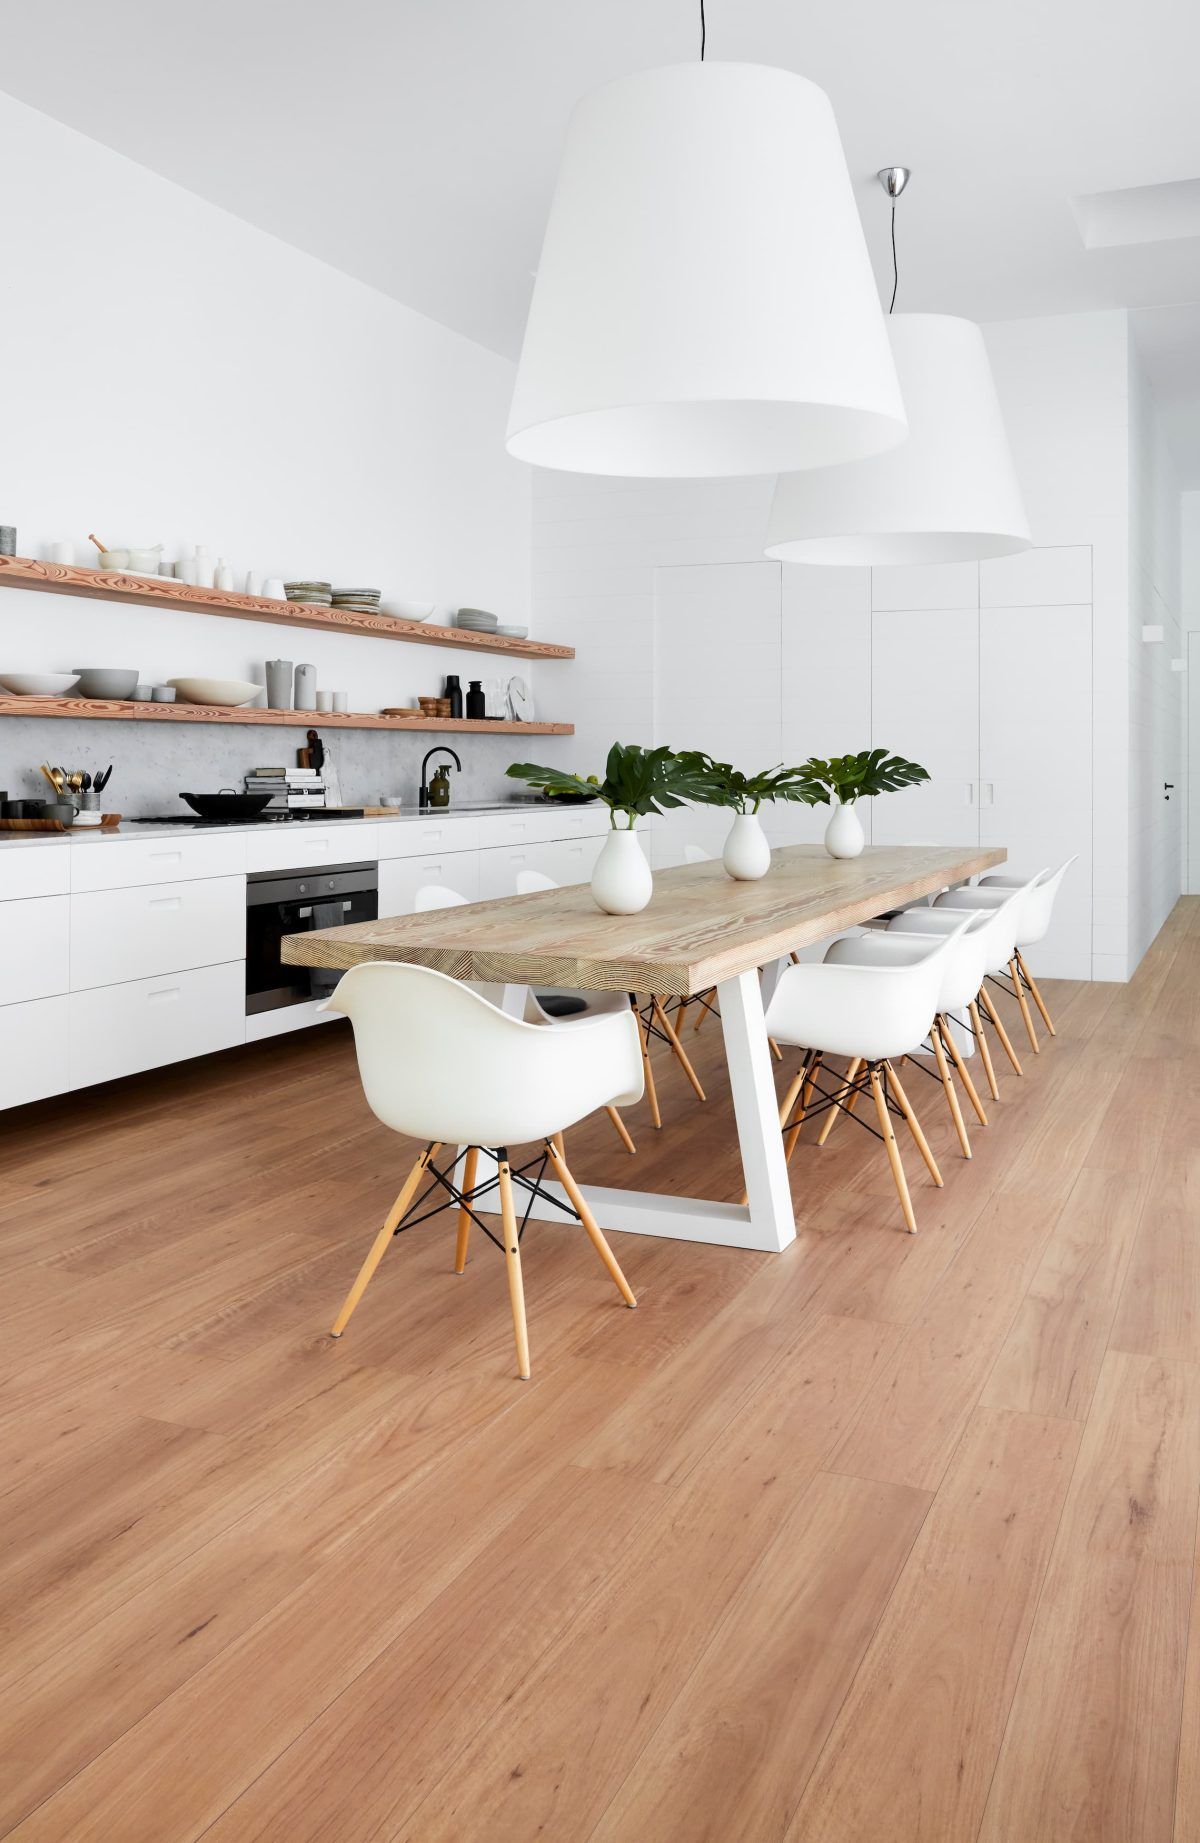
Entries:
{"x":701,"y":929}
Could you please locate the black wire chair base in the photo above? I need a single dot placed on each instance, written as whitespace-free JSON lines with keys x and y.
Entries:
{"x":459,"y":1198}
{"x":841,"y":1097}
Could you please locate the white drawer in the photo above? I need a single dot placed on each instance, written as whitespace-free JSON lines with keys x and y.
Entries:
{"x":499,"y":870}
{"x":35,"y":944}
{"x":35,"y":870}
{"x":296,"y":847}
{"x":117,"y":1030}
{"x":413,"y":838}
{"x":401,"y":878}
{"x":164,"y":928}
{"x":525,"y":826}
{"x":127,"y":863}
{"x":573,"y":860}
{"x":33,"y":1051}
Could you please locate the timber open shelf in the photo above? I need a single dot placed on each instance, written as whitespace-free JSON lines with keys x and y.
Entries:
{"x":278,"y":719}
{"x":163,"y":592}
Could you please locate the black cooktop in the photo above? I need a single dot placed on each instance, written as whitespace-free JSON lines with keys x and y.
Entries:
{"x":289,"y":818}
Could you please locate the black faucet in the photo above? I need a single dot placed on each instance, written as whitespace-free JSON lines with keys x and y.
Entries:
{"x":440,"y":749}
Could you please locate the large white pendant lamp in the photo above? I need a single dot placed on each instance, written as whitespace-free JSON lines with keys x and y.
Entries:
{"x":704,"y":304}
{"x":949,"y":494}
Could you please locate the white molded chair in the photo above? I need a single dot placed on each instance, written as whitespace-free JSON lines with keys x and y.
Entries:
{"x":872,"y":1015}
{"x":589,"y":1005}
{"x":1036,"y":917}
{"x":1012,"y":904}
{"x":993,"y":926}
{"x":442,"y":1064}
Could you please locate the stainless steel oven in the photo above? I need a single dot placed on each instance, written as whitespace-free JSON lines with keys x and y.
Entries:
{"x":328,"y":897}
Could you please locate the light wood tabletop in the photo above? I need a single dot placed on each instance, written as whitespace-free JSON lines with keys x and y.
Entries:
{"x":700,"y":928}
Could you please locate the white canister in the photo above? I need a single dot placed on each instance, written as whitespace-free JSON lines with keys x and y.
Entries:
{"x":306,"y":687}
{"x":202,"y":568}
{"x":341,"y":701}
{"x":324,"y":700}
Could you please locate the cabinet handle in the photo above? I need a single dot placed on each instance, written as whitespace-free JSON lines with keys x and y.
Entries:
{"x":168,"y":857}
{"x":166,"y":902}
{"x":970,"y":793}
{"x":990,"y":790}
{"x":169,"y":991}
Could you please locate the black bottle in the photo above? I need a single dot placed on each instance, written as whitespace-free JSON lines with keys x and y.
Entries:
{"x":453,"y":691}
{"x":476,"y":702}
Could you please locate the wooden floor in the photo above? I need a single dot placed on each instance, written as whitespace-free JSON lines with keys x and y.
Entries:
{"x":886,"y":1537}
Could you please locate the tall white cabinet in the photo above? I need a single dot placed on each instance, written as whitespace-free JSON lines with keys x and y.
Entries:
{"x":982,"y":672}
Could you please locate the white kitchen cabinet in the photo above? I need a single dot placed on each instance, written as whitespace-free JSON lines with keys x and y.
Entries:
{"x":925,"y":706}
{"x":33,"y":1051}
{"x":310,"y":845}
{"x":499,"y":869}
{"x":414,"y":838}
{"x":401,"y":878}
{"x":572,"y":860}
{"x":43,"y":869}
{"x":35,"y":944}
{"x":120,"y":1029}
{"x":125,"y":863}
{"x":1035,"y":763}
{"x":125,"y":934}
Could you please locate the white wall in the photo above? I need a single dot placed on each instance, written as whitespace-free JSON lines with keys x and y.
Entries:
{"x":171,"y":374}
{"x":1157,"y":773}
{"x":610,"y":562}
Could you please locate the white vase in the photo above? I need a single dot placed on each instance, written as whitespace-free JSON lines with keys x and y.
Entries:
{"x":621,"y":881}
{"x":747,"y":854}
{"x":844,"y":833}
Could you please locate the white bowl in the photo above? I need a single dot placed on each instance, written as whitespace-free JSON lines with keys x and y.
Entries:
{"x":38,"y":684}
{"x":409,"y":611}
{"x":232,"y":691}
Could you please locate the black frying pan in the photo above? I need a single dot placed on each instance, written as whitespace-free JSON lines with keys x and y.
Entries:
{"x":226,"y":804}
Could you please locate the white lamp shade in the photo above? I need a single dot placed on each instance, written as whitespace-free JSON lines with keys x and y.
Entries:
{"x":704,"y":303}
{"x":949,"y":494}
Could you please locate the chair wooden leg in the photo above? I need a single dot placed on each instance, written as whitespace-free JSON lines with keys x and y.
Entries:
{"x":893,"y":1150}
{"x":379,"y":1245}
{"x":681,"y":1012}
{"x":668,"y":1029}
{"x":1014,"y":974}
{"x":948,"y":1084}
{"x":775,"y":1049}
{"x":595,"y":1235}
{"x":1039,"y":1001}
{"x":847,"y":1094}
{"x":984,"y":1051}
{"x":914,"y":1126}
{"x":512,"y":1260}
{"x":946,"y":1033}
{"x":561,"y":1143}
{"x":998,"y":1027}
{"x":470,"y":1167}
{"x":647,"y":1069}
{"x":706,"y":1006}
{"x":811,"y":1072}
{"x":622,"y":1130}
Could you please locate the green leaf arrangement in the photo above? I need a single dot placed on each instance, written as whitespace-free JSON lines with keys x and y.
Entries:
{"x":715,"y":783}
{"x":854,"y":777}
{"x":636,"y":781}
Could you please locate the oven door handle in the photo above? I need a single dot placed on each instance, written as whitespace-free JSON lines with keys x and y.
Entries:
{"x":305,"y":913}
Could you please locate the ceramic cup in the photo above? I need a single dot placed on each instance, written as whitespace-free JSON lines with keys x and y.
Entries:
{"x":254,"y":583}
{"x":142,"y":694}
{"x":274,"y":590}
{"x":62,"y":551}
{"x":8,"y":540}
{"x":162,"y":694}
{"x":341,"y":701}
{"x":325,"y":700}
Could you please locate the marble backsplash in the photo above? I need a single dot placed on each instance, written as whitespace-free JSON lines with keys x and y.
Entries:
{"x":153,"y":762}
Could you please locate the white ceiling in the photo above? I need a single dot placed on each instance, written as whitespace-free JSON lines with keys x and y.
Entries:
{"x":413,"y":143}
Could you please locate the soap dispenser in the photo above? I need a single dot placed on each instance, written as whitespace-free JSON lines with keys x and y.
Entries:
{"x":439,"y":786}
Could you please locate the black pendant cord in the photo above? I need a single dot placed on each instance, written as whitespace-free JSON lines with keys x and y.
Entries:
{"x":703,"y":31}
{"x":895,"y":266}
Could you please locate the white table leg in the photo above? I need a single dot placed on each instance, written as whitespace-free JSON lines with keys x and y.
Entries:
{"x":768,"y":1223}
{"x":756,"y":1110}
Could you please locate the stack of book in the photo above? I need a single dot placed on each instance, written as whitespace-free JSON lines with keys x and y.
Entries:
{"x":288,"y":787}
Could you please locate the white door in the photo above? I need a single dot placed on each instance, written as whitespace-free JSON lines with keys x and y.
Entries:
{"x":1192,"y":868}
{"x":1035,"y":762}
{"x":925,"y":706}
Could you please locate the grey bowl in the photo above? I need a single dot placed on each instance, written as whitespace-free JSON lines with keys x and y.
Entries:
{"x":104,"y":682}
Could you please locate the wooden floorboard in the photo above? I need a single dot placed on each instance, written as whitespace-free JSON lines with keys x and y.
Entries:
{"x":881,"y":1538}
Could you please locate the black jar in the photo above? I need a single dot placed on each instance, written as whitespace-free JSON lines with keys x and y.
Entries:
{"x":453,"y":691}
{"x":476,"y":702}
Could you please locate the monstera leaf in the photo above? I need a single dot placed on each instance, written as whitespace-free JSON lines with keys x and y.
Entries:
{"x":717,"y":783}
{"x":854,"y":777}
{"x":636,"y":781}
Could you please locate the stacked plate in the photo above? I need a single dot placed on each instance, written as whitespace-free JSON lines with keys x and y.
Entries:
{"x":320,"y":592}
{"x":512,"y":633}
{"x":365,"y":600}
{"x":477,"y":620}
